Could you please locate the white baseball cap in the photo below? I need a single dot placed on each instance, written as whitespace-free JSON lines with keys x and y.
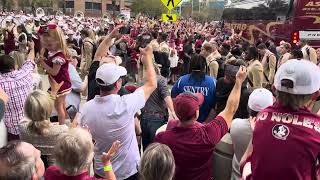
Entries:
{"x":304,"y":74}
{"x":260,"y":99}
{"x":109,"y":73}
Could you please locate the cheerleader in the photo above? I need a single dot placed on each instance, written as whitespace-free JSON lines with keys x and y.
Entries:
{"x":56,"y":64}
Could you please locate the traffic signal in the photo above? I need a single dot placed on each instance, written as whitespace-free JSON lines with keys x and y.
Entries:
{"x":295,"y":37}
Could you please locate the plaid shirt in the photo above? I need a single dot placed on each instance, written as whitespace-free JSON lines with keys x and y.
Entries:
{"x":18,"y":85}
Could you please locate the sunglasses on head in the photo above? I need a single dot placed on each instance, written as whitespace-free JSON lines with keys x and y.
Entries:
{"x":45,"y":28}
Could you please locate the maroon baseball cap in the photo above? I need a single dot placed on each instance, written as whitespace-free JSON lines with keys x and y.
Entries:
{"x":186,"y":105}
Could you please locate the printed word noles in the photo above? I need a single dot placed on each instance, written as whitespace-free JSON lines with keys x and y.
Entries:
{"x":291,"y":119}
{"x":194,"y":89}
{"x":313,"y":4}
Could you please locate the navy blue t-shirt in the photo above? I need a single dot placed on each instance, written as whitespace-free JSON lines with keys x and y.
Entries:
{"x":207,"y":87}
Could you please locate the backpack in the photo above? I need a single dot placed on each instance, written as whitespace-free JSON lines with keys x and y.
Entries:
{"x":221,"y":62}
{"x":276,"y":67}
{"x":163,"y":59}
{"x":94,"y":48}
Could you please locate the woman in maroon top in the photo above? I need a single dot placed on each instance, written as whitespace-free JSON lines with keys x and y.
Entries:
{"x":74,"y":154}
{"x":56,"y":64}
{"x":9,"y":43}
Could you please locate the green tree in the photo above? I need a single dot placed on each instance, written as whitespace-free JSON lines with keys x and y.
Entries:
{"x":24,"y":4}
{"x":41,"y":3}
{"x":277,"y":6}
{"x":149,"y":7}
{"x":187,"y":10}
{"x":6,"y":4}
{"x":261,"y":12}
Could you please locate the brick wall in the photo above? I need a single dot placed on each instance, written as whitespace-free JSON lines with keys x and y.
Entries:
{"x":79,"y":5}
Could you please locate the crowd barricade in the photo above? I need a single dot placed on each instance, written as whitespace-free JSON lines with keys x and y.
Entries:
{"x":222,"y":159}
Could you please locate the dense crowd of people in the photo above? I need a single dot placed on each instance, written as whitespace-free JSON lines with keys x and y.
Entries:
{"x":133,"y":125}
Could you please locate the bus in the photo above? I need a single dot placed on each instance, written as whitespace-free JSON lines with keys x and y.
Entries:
{"x":302,"y":21}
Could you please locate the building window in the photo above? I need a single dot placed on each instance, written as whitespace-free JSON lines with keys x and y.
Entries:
{"x":117,"y":8}
{"x":93,"y":6}
{"x":110,"y":7}
{"x":69,"y":4}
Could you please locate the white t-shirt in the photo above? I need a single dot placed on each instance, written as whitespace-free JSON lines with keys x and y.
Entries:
{"x":111,"y":118}
{"x":241,"y":134}
{"x":173,"y":59}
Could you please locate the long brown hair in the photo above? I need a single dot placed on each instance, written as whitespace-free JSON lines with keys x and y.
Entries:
{"x":294,"y":102}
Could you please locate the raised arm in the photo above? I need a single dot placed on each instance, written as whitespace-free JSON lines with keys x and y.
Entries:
{"x":31,"y":54}
{"x":170,"y":106}
{"x":313,"y":55}
{"x":234,"y":97}
{"x":150,"y":75}
{"x":247,"y":154}
{"x":106,"y":43}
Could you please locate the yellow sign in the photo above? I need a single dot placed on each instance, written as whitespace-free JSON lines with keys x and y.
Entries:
{"x":170,"y":4}
{"x":169,"y":17}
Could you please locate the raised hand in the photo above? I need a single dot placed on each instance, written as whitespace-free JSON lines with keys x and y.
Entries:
{"x":106,"y":156}
{"x":115,"y":32}
{"x":241,"y":74}
{"x":146,"y":54}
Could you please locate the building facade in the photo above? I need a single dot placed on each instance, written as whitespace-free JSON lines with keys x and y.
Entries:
{"x":94,"y":7}
{"x":69,"y":7}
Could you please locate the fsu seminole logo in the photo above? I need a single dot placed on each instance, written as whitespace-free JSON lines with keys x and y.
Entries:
{"x":280,"y":131}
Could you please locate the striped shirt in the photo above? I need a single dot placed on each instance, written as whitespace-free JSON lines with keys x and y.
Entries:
{"x":17,"y":84}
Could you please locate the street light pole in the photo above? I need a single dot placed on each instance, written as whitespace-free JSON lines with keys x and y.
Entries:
{"x":191,"y":7}
{"x":180,"y":8}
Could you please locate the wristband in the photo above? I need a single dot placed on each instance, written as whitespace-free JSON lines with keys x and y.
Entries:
{"x":107,"y":168}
